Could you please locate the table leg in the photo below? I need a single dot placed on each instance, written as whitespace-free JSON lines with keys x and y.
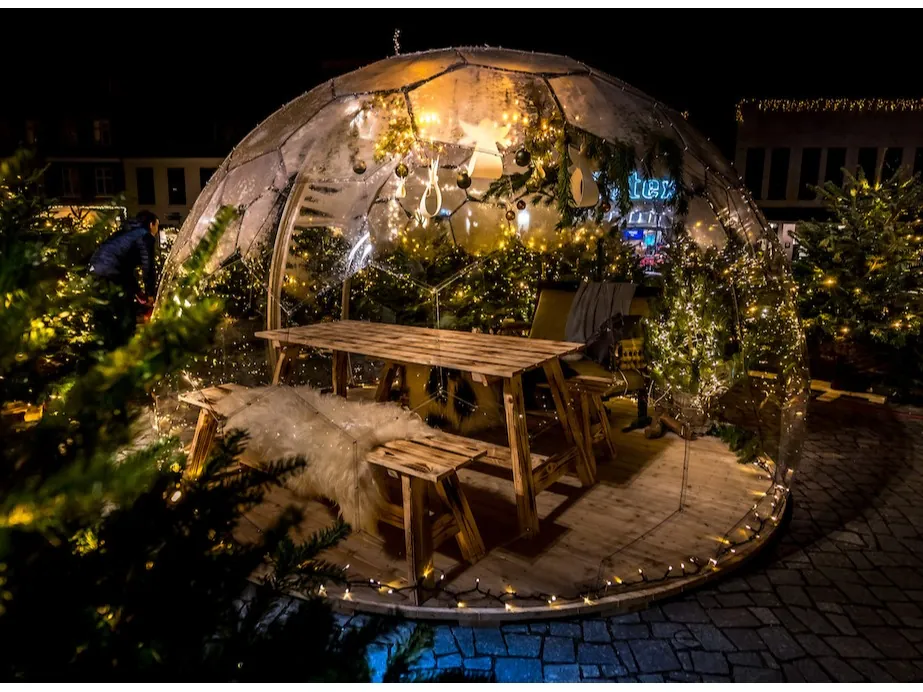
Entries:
{"x":523,"y":484}
{"x":385,"y":382}
{"x":606,"y":427}
{"x":284,"y":360}
{"x":418,"y":537}
{"x":586,"y":413}
{"x":340,"y":372}
{"x":568,"y":417}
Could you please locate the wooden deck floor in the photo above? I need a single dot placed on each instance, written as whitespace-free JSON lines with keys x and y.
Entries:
{"x":631,"y":520}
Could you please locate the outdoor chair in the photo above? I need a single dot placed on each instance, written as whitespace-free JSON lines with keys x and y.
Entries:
{"x":627,"y":374}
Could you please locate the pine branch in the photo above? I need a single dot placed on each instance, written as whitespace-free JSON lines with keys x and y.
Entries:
{"x":407,"y":653}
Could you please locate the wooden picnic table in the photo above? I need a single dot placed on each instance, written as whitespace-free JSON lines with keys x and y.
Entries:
{"x":487,"y":357}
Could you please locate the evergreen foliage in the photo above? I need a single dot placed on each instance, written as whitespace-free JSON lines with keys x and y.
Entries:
{"x":113,"y":566}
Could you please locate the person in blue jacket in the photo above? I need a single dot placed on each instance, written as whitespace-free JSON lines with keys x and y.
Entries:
{"x":114,"y":267}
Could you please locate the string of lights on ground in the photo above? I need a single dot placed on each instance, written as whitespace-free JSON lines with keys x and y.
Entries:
{"x":746,"y":533}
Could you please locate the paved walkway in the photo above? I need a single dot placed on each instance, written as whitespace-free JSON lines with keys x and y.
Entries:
{"x":839,"y":598}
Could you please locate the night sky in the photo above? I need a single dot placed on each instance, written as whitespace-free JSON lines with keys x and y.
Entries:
{"x":180,"y":65}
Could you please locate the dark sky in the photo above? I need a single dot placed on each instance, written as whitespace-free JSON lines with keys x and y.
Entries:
{"x":702,"y":61}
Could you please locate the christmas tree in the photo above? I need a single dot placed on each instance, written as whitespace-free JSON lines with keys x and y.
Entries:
{"x":691,"y":337}
{"x":112,"y":565}
{"x":861,"y":273}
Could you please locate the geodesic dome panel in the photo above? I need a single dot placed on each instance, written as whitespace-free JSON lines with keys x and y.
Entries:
{"x":440,"y":189}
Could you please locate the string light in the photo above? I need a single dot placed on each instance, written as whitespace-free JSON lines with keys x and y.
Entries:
{"x":829,"y":105}
{"x":411,"y":134}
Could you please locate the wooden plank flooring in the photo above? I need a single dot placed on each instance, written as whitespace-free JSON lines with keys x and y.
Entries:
{"x":629,"y":521}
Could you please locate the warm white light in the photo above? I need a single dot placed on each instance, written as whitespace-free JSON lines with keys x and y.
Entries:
{"x":522,"y":220}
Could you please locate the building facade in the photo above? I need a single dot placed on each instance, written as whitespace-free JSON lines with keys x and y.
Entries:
{"x":166,"y":186}
{"x":785,"y":147}
{"x":90,"y":162}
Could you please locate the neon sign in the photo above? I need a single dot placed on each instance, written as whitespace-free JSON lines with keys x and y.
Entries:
{"x":650,"y":189}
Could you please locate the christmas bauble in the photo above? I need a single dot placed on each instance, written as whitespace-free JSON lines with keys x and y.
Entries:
{"x":463,"y":180}
{"x":521,"y":204}
{"x":606,"y":207}
{"x":402,"y":170}
{"x":359,"y":167}
{"x":510,"y":215}
{"x":523,"y":157}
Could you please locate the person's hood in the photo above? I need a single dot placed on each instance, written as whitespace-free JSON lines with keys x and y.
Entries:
{"x":132,"y":224}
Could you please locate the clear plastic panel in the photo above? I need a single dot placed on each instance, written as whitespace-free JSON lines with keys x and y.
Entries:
{"x":259,"y":221}
{"x":522,"y":61}
{"x":700,"y":147}
{"x":278,"y":127}
{"x":605,"y":110}
{"x":481,"y":109}
{"x":396,"y":73}
{"x":194,"y":227}
{"x":419,"y":183}
{"x":346,"y":134}
{"x":339,"y":204}
{"x":188,"y":233}
{"x":479,"y":227}
{"x":703,"y":226}
{"x":247,"y":182}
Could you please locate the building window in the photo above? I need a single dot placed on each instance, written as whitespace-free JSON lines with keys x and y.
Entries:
{"x":102,"y":133}
{"x":753,"y":175}
{"x":145,"y":178}
{"x":69,"y":136}
{"x":778,"y":173}
{"x":868,"y":161}
{"x":205,"y":174}
{"x":70,"y":182}
{"x":894,"y":156}
{"x":836,"y":162}
{"x":810,"y":169}
{"x":105,"y":183}
{"x":31,"y":132}
{"x":176,"y":186}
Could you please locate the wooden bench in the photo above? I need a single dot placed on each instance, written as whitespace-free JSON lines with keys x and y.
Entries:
{"x":215,"y":404}
{"x":419,"y":464}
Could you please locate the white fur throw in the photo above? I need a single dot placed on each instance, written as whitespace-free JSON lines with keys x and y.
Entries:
{"x":334,"y":435}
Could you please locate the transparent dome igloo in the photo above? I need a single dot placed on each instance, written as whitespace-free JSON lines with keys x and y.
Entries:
{"x":428,"y":189}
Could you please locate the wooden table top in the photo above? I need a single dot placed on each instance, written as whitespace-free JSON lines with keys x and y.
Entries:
{"x":485,"y":354}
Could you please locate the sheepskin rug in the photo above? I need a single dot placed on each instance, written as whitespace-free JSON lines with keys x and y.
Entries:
{"x":334,"y":435}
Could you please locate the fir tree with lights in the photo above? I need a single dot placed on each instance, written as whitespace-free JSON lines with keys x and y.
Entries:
{"x":861,"y":273}
{"x":691,"y":337}
{"x":113,"y":566}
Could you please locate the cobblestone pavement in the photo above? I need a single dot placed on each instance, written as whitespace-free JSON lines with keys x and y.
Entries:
{"x":838,"y":598}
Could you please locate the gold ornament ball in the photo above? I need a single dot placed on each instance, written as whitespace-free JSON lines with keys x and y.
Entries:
{"x":359,"y":167}
{"x":521,"y":204}
{"x":402,"y":170}
{"x":510,"y":215}
{"x":463,"y":180}
{"x":523,"y":157}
